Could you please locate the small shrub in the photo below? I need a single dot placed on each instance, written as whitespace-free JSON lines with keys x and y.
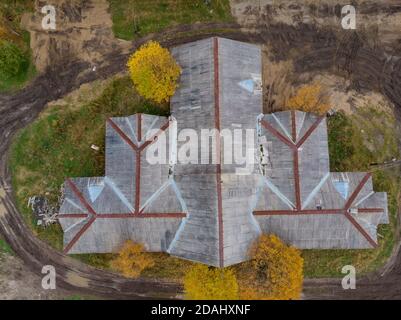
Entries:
{"x":275,"y":272}
{"x":309,"y":98}
{"x":132,"y":260}
{"x":154,"y":72}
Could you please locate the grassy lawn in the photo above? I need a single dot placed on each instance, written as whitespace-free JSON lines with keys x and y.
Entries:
{"x":136,"y":18}
{"x":10,"y":30}
{"x":366,"y":137}
{"x":57,"y":146}
{"x":165,"y":266}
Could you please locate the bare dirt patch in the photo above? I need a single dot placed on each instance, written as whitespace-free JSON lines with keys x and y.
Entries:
{"x":76,"y":280}
{"x":83,"y":32}
{"x":344,"y":97}
{"x":280,"y":82}
{"x":380,"y":19}
{"x":17,"y":282}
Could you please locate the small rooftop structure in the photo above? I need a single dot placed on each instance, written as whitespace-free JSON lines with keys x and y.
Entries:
{"x":212,"y":212}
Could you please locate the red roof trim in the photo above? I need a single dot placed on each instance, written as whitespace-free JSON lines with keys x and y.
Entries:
{"x":361,"y":230}
{"x":155,"y":136}
{"x":348,"y":205}
{"x":296,"y":164}
{"x":370,"y":210}
{"x":357,"y":191}
{"x":81,"y":198}
{"x":297,"y":212}
{"x":142,"y":215}
{"x":313,"y":211}
{"x":297,"y":180}
{"x":122,"y":134}
{"x":79,"y":234}
{"x":310,"y":131}
{"x":294,"y":126}
{"x":277,"y":134}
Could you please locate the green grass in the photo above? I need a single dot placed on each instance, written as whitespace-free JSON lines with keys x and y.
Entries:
{"x":10,"y":29}
{"x":355,"y":142}
{"x":5,"y":247}
{"x":165,"y":266}
{"x":57,"y":146}
{"x":136,"y":18}
{"x":17,"y":82}
{"x":97,"y":260}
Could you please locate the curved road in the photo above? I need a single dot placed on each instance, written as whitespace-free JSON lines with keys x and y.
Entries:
{"x":367,"y":68}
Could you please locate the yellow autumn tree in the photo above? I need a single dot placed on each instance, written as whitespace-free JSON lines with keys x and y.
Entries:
{"x":275,"y":272}
{"x":309,"y":98}
{"x":132,"y":260}
{"x":154,"y":72}
{"x":208,"y":283}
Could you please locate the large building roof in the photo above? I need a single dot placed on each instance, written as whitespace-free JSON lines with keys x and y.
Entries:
{"x":211,"y":211}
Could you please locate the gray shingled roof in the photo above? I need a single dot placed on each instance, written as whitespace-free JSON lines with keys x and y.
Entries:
{"x":301,"y":200}
{"x":135,"y":200}
{"x":208,"y":212}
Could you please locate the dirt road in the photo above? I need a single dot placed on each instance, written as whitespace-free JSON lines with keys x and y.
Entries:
{"x":368,"y":68}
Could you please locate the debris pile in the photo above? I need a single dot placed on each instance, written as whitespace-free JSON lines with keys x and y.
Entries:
{"x":45,"y":214}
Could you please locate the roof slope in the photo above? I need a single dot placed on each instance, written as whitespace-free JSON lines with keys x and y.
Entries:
{"x":215,"y":95}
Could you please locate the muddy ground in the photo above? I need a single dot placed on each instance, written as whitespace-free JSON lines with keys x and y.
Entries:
{"x":367,"y":60}
{"x":17,"y":282}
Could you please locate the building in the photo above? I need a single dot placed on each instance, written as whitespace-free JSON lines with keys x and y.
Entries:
{"x":208,"y":209}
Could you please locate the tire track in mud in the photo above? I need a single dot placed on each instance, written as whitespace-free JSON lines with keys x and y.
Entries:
{"x":369,"y":69}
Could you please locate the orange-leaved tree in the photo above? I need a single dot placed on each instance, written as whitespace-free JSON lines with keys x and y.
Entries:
{"x":132,"y":259}
{"x":208,"y":283}
{"x":154,"y":72}
{"x":275,"y":272}
{"x":309,"y":98}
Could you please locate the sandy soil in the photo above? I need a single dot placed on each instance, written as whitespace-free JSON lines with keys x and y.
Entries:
{"x":343,"y":97}
{"x":280,"y":82}
{"x":83,"y":32}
